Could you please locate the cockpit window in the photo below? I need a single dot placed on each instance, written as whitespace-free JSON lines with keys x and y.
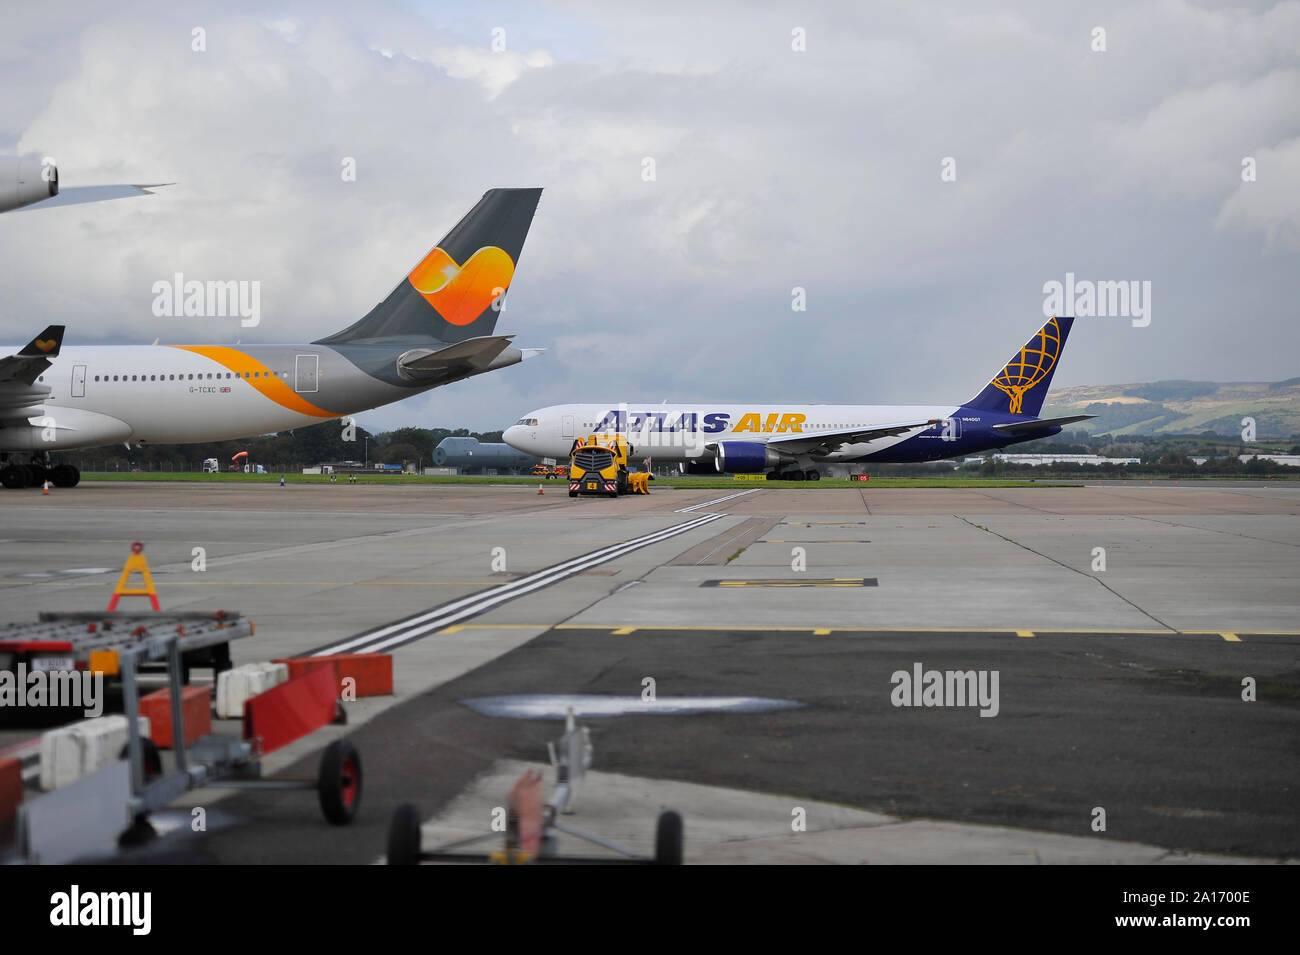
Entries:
{"x":527,"y":422}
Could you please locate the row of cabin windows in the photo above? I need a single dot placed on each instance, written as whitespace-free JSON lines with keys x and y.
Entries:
{"x":200,"y":376}
{"x":810,"y":427}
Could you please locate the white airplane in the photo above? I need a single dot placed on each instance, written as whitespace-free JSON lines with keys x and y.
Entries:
{"x":789,"y":441}
{"x":436,"y":327}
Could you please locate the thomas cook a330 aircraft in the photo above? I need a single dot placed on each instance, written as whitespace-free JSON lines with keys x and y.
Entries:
{"x":436,"y":327}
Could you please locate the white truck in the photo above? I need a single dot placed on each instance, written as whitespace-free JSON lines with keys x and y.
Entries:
{"x":210,"y":466}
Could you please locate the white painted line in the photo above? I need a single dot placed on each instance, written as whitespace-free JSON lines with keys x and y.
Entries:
{"x":729,"y":497}
{"x":404,"y":631}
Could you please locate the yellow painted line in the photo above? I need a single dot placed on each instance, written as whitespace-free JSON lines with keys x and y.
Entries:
{"x":820,"y":523}
{"x":809,"y":582}
{"x":623,"y":631}
{"x":823,"y":632}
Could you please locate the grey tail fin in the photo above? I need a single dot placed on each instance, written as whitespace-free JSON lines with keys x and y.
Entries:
{"x":457,"y":290}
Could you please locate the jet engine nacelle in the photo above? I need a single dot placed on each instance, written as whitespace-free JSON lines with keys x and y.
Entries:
{"x":745,"y":457}
{"x":705,"y":466}
{"x":24,"y":180}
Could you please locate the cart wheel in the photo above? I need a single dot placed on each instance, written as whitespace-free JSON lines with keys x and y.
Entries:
{"x":150,"y":757}
{"x":404,"y":836}
{"x":140,"y":831}
{"x":573,"y":494}
{"x":339,"y":783}
{"x":668,"y":839}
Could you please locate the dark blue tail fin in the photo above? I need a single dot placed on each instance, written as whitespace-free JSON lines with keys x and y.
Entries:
{"x":1021,"y":386}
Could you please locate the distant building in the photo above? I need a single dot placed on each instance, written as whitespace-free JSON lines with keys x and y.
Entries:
{"x":1035,"y":459}
{"x":1290,"y":460}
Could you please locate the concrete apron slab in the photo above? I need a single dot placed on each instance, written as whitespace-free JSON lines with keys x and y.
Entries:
{"x":729,"y":826}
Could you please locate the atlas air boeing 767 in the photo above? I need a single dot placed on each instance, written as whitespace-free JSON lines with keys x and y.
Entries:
{"x":436,"y":327}
{"x":791,"y":441}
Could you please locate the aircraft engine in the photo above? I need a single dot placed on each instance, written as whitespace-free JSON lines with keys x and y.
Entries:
{"x":745,"y":457}
{"x":23,"y":180}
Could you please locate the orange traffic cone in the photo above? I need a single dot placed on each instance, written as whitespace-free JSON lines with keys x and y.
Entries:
{"x":45,"y":487}
{"x":539,"y":487}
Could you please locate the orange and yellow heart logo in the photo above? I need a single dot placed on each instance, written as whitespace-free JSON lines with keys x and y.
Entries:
{"x":46,"y":345}
{"x":460,"y":293}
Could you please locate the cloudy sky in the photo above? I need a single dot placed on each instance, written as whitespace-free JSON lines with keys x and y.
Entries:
{"x":774,"y":168}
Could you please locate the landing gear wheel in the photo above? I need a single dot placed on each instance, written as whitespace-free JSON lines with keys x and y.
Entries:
{"x":812,"y":475}
{"x":404,"y":836}
{"x":63,"y":475}
{"x":150,"y":757}
{"x":339,"y":782}
{"x":668,"y":839}
{"x":794,"y":476}
{"x":37,"y":474}
{"x":12,"y":477}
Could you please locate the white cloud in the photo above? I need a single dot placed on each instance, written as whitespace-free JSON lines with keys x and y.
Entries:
{"x":1272,"y":202}
{"x":774,"y":169}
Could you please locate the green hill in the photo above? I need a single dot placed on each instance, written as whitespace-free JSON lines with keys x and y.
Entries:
{"x":1183,"y":407}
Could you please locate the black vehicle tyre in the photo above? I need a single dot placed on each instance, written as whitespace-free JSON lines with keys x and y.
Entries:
{"x":140,"y":832}
{"x":339,"y":782}
{"x":668,"y":839}
{"x":150,"y":757}
{"x":404,"y":836}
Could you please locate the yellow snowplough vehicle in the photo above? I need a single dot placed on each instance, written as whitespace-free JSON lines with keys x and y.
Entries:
{"x":598,"y":465}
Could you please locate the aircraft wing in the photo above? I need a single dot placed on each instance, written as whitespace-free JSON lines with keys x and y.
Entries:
{"x":76,"y":195}
{"x":826,"y":442}
{"x":1040,"y":424}
{"x":33,"y":358}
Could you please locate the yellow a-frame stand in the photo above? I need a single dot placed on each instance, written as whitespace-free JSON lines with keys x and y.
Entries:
{"x":135,"y":564}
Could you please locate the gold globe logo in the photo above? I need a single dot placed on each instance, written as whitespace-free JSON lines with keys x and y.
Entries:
{"x":1031,"y":366}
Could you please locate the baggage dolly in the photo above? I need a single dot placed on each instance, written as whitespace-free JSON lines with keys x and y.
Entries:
{"x":221,"y":762}
{"x":114,"y":803}
{"x":531,"y":827}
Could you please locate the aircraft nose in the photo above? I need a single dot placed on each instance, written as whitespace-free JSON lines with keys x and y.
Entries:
{"x":512,"y":435}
